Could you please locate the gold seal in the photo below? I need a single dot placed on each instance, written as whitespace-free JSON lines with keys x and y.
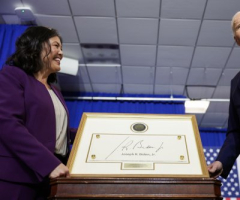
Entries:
{"x":139,"y":127}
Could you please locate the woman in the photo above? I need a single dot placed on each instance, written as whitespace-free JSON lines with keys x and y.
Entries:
{"x":34,"y":133}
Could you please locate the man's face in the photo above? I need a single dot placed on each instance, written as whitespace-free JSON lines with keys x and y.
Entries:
{"x":237,"y":29}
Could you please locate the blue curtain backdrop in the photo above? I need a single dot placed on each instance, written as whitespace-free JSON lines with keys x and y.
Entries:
{"x":76,"y":108}
{"x":212,"y":136}
{"x":8,"y":36}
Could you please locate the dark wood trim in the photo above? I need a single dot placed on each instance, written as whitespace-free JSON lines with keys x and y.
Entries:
{"x":135,"y":188}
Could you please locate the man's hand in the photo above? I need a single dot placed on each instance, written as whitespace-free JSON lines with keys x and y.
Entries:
{"x":60,"y":171}
{"x":215,"y":169}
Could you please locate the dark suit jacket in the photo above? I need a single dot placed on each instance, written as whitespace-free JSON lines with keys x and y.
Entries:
{"x":231,"y":147}
{"x":27,"y":127}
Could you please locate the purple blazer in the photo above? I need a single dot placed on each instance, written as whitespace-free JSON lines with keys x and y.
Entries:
{"x":231,"y":147}
{"x":27,"y":127}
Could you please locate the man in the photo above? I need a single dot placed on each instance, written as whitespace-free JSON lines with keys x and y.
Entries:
{"x":231,"y":147}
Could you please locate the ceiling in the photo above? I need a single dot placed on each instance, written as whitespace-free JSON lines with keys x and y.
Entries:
{"x":177,"y":47}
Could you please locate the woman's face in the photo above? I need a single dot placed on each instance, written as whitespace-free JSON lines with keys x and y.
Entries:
{"x":52,"y":60}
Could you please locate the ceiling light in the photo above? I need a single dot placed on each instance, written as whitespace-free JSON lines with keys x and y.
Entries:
{"x":196,"y":106}
{"x":24,"y":13}
{"x":69,"y":66}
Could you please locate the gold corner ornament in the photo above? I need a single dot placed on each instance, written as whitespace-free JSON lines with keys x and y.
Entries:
{"x":179,"y":137}
{"x":181,"y":157}
{"x":93,"y":156}
{"x":97,"y":136}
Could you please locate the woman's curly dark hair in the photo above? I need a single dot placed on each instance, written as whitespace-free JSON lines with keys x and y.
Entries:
{"x":29,"y":47}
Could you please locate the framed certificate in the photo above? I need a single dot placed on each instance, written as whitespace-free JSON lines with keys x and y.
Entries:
{"x":137,"y":145}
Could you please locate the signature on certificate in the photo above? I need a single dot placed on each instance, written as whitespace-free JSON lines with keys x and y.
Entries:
{"x":131,"y":145}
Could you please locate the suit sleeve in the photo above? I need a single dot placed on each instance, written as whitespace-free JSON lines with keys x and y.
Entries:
{"x":15,"y":139}
{"x":231,"y":147}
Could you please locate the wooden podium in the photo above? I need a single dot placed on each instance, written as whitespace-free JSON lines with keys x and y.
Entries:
{"x":135,"y":188}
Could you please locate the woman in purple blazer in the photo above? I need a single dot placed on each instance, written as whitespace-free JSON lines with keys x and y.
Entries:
{"x":34,"y":132}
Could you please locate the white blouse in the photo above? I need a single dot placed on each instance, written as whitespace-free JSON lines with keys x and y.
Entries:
{"x":61,"y":125}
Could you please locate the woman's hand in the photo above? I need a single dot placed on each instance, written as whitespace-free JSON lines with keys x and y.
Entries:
{"x":60,"y":171}
{"x":215,"y":169}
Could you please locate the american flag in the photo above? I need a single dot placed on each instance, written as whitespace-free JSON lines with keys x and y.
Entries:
{"x":230,"y":188}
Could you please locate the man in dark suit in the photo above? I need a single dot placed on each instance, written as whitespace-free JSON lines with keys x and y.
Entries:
{"x":231,"y":147}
